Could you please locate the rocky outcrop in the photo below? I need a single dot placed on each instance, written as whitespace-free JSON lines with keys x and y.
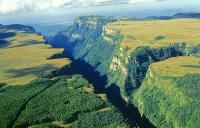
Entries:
{"x":127,"y":72}
{"x":89,"y":39}
{"x":142,"y":57}
{"x":84,"y":41}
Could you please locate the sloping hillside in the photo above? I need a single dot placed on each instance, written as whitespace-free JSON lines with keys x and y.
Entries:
{"x":23,"y":55}
{"x":169,"y":94}
{"x":146,"y":42}
{"x":123,"y":51}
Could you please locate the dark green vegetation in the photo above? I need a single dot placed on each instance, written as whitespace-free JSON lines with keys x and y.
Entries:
{"x":188,"y":114}
{"x":79,"y":39}
{"x":159,"y":38}
{"x":3,"y":42}
{"x":57,"y":56}
{"x":123,"y":67}
{"x":2,"y":84}
{"x":144,"y":56}
{"x":64,"y":98}
{"x":6,"y":35}
{"x":126,"y":67}
{"x":165,"y":111}
{"x":14,"y":99}
{"x":3,"y":36}
{"x":125,"y":74}
{"x":108,"y":118}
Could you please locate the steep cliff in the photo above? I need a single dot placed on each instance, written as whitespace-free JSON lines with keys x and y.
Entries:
{"x":123,"y":51}
{"x":84,"y":40}
{"x":169,"y":94}
{"x":118,"y":49}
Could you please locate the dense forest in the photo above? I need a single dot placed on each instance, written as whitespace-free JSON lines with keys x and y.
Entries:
{"x":50,"y":102}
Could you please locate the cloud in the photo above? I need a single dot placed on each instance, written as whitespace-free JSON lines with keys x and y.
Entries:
{"x":141,"y":1}
{"x":13,"y":6}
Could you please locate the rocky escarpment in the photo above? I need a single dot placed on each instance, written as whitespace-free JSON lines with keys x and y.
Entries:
{"x":142,"y":57}
{"x":84,"y":40}
{"x":89,"y":39}
{"x":168,"y":96}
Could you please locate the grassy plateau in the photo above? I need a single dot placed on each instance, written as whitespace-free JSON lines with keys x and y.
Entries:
{"x":157,"y":33}
{"x":24,"y":57}
{"x":169,"y":93}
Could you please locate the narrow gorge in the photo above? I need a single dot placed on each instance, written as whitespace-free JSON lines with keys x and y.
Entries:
{"x":120,"y":71}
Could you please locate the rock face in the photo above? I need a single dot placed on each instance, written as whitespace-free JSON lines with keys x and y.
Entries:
{"x":144,"y":56}
{"x":89,"y":39}
{"x":84,"y":41}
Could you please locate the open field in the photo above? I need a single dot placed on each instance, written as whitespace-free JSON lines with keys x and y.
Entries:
{"x":177,"y":66}
{"x":24,"y":58}
{"x":157,"y":33}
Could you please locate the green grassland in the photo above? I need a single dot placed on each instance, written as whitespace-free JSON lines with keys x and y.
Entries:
{"x":169,"y":95}
{"x":157,"y":33}
{"x":177,"y":66}
{"x":24,"y":57}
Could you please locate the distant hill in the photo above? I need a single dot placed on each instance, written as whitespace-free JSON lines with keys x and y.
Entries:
{"x":186,"y":15}
{"x":178,"y":15}
{"x":18,"y":27}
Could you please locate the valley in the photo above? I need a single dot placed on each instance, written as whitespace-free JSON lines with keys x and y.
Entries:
{"x":125,"y":65}
{"x":113,"y":73}
{"x":53,"y":96}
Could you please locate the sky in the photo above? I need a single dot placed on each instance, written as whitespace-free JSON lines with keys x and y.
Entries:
{"x":63,"y":11}
{"x":13,"y":6}
{"x":14,"y":10}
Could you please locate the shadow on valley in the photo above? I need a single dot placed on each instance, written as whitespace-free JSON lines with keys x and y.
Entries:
{"x":130,"y":112}
{"x":26,"y":43}
{"x":4,"y":43}
{"x":5,"y":35}
{"x":191,"y":66}
{"x":82,"y":68}
{"x":27,"y":71}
